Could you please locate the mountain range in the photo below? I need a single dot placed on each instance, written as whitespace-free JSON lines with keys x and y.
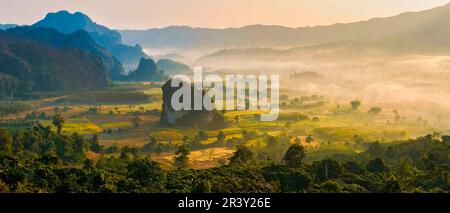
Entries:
{"x":78,"y":39}
{"x":7,"y":26}
{"x":44,"y":60}
{"x":111,"y":40}
{"x":425,"y":30}
{"x":69,"y":51}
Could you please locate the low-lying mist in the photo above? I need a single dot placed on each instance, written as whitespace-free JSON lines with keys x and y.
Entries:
{"x":417,"y":86}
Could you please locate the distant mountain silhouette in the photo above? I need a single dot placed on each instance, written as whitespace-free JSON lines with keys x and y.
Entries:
{"x":171,"y":56}
{"x":172,"y":67}
{"x":7,"y":26}
{"x":183,"y":37}
{"x":246,"y":55}
{"x":434,"y":40}
{"x":147,"y":71}
{"x":421,"y":33}
{"x":29,"y":63}
{"x":66,"y":22}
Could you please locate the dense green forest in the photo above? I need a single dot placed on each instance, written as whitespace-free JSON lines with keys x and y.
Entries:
{"x":37,"y":159}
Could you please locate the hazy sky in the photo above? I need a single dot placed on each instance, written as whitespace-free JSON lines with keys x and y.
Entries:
{"x":143,"y":14}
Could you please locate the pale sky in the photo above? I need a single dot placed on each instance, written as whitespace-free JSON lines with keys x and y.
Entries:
{"x":144,"y":14}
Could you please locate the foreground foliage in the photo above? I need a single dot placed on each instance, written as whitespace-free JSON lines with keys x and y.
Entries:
{"x":40,"y":160}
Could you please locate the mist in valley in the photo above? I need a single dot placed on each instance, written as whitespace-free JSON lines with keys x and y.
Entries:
{"x":416,"y":86}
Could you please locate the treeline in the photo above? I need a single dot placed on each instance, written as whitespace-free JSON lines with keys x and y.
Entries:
{"x":9,"y":87}
{"x":42,"y":143}
{"x":105,"y":97}
{"x":40,"y":160}
{"x":12,"y":107}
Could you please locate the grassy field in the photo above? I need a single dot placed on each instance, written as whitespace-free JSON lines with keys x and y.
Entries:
{"x":200,"y":159}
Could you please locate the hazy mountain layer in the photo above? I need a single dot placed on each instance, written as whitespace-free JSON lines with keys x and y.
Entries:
{"x":171,"y":67}
{"x":6,"y":26}
{"x":147,"y":71}
{"x":183,"y":37}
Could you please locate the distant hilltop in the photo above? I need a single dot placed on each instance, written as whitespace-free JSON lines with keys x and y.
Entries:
{"x":45,"y":60}
{"x":68,"y":51}
{"x":7,"y":26}
{"x":66,"y":22}
{"x":185,"y":37}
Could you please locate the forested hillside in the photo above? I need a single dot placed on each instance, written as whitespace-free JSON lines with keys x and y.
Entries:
{"x":32,"y":66}
{"x":68,"y":23}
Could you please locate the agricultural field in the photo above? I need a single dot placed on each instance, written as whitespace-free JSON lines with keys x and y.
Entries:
{"x":127,"y":115}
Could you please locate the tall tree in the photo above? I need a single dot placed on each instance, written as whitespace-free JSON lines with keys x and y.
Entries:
{"x":309,"y":139}
{"x":58,"y":122}
{"x":148,"y":173}
{"x":294,"y":156}
{"x":181,"y":158}
{"x":355,"y":104}
{"x":243,"y":155}
{"x":6,"y":140}
{"x":328,"y":169}
{"x":377,"y":166}
{"x":95,"y":145}
{"x":354,"y":167}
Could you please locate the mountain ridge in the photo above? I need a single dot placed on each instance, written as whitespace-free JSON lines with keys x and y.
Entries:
{"x":184,"y":37}
{"x":32,"y":66}
{"x":111,"y":40}
{"x":7,"y":26}
{"x":78,"y":39}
